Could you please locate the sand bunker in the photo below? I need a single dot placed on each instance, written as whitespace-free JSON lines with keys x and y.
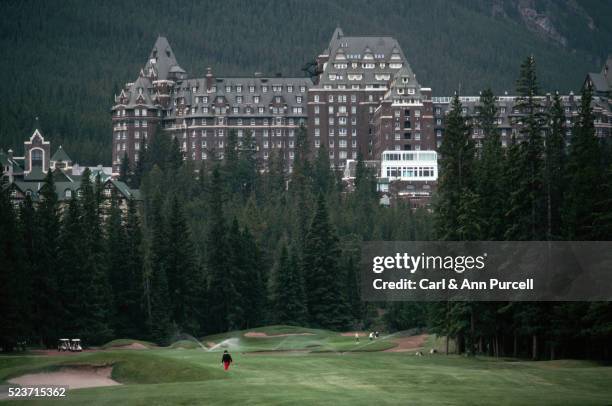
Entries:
{"x":257,"y":334}
{"x":411,"y":343}
{"x":74,"y":377}
{"x":352,"y":334}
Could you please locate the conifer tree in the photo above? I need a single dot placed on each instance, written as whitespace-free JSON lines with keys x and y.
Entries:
{"x":118,"y":271}
{"x":47,"y":311}
{"x":555,"y":171}
{"x":10,"y":267}
{"x":159,"y":306}
{"x":124,"y":169}
{"x":254,"y":296}
{"x":456,"y":171}
{"x":184,"y":278}
{"x":527,"y":198}
{"x":289,"y":302}
{"x":326,"y":300}
{"x":221,"y":290}
{"x":134,"y":264}
{"x":584,"y":174}
{"x":490,"y":171}
{"x":97,"y":303}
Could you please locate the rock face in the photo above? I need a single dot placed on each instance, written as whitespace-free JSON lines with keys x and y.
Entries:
{"x":539,"y":22}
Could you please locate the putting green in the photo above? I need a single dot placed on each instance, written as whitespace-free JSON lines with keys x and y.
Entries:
{"x":167,"y":376}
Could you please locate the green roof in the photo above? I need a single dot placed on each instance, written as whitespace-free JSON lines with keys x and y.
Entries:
{"x":61,"y":155}
{"x":35,"y":174}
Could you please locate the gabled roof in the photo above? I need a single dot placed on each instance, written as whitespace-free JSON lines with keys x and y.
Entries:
{"x":35,"y":174}
{"x":61,"y":155}
{"x":162,"y":60}
{"x":599,"y":82}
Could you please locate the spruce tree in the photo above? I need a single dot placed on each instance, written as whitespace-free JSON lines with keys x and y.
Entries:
{"x":124,"y":169}
{"x":327,"y":305}
{"x":184,"y":278}
{"x":47,"y":310}
{"x":527,"y":198}
{"x":254,"y":277}
{"x":97,"y":304}
{"x":456,"y":171}
{"x":159,"y":305}
{"x":288,"y":297}
{"x":221,"y":290}
{"x":555,"y":171}
{"x":134,"y":265}
{"x":583,"y":174}
{"x":117,"y":269}
{"x":490,"y":186}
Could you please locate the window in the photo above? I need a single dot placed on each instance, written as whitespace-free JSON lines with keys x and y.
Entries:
{"x":37,"y":157}
{"x":331,"y":98}
{"x":316,"y":98}
{"x":68,"y":193}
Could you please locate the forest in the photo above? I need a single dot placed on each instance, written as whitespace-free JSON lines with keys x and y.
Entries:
{"x":227,"y":245}
{"x":65,"y":60}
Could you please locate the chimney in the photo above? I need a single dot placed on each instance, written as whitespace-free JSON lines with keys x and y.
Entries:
{"x":210,"y":80}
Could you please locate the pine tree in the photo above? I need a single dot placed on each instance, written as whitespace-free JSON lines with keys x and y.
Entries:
{"x":555,"y":168}
{"x":184,"y":278}
{"x":289,"y":302}
{"x":456,"y":171}
{"x":134,"y":264}
{"x":254,"y":294}
{"x":327,"y":306}
{"x":124,"y":170}
{"x":584,"y":174}
{"x":490,"y":171}
{"x":527,"y":199}
{"x":47,"y":311}
{"x":117,"y":270}
{"x":221,"y":290}
{"x":159,"y":306}
{"x":97,"y":303}
{"x":11,"y":327}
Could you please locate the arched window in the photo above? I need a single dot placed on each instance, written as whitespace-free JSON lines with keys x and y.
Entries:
{"x":37,"y":157}
{"x":68,"y":193}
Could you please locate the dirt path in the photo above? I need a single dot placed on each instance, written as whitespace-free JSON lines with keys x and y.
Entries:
{"x":405,"y":344}
{"x":73,"y":377}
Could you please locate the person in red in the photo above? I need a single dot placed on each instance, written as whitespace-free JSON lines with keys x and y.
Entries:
{"x":226,"y":360}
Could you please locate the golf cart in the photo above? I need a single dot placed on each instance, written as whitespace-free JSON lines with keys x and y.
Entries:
{"x":75,"y":345}
{"x":63,"y":344}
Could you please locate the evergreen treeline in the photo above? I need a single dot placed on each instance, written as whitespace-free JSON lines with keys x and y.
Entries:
{"x":53,"y":70}
{"x":220,"y":247}
{"x":539,"y":189}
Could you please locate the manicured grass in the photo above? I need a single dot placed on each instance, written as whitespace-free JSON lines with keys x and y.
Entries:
{"x":121,"y":342}
{"x":195,"y":377}
{"x":323,"y":368}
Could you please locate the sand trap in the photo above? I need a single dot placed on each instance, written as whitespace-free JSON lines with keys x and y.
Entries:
{"x":74,"y":377}
{"x":133,"y":346}
{"x":405,"y":344}
{"x":257,"y":334}
{"x":352,"y":334}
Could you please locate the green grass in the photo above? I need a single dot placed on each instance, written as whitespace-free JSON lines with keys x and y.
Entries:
{"x":120,"y":342}
{"x":166,"y":376}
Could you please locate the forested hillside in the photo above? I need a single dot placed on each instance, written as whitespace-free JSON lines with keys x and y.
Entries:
{"x":63,"y":60}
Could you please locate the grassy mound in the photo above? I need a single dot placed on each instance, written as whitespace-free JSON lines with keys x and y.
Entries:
{"x":185,"y":344}
{"x":129,"y":367}
{"x":123,"y":342}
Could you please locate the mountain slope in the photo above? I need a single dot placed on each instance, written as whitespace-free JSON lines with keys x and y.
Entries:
{"x":63,"y":61}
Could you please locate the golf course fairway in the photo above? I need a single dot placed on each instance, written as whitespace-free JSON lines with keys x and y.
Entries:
{"x":292,"y":374}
